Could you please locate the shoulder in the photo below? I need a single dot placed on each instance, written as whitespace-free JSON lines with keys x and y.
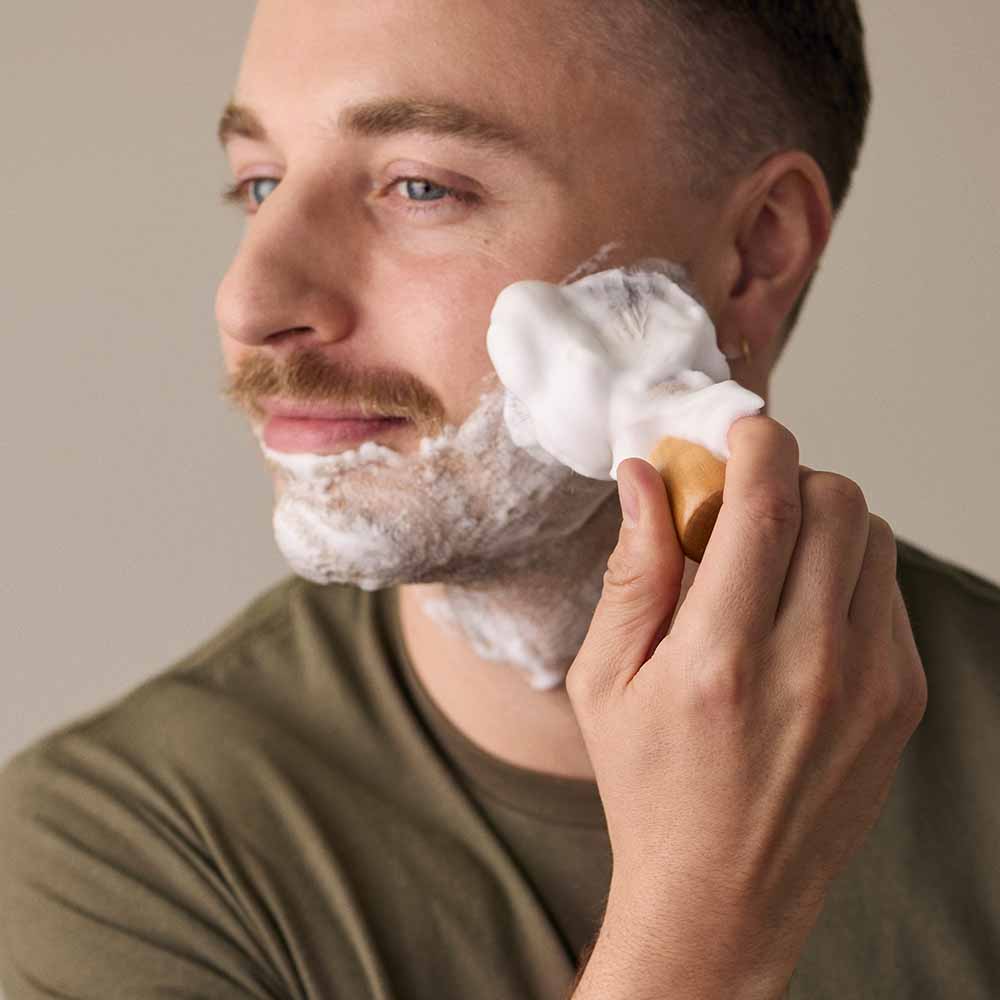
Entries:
{"x":295,"y":634}
{"x":918,"y":568}
{"x":179,"y":747}
{"x":116,"y":829}
{"x":265,"y":644}
{"x":954,"y":612}
{"x":955,"y":618}
{"x":288,"y":678}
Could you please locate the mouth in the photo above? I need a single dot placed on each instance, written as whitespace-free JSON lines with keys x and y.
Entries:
{"x":323,"y":429}
{"x":322,"y":436}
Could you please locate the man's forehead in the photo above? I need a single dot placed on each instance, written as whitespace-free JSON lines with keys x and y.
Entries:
{"x":516,"y":62}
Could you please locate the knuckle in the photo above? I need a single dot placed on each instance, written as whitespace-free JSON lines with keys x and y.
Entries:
{"x":914,"y":704}
{"x":899,"y":698}
{"x":827,"y":693}
{"x":721,"y":688}
{"x":886,"y":699}
{"x":817,"y":683}
{"x":586,"y":688}
{"x":770,"y":506}
{"x":835,"y":492}
{"x":624,"y":572}
{"x":819,"y":692}
{"x":785,"y":440}
{"x":635,"y":579}
{"x":882,"y":529}
{"x":579,"y":686}
{"x":882,"y":539}
{"x":815,"y":707}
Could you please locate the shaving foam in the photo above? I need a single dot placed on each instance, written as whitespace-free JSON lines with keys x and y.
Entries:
{"x":599,"y":370}
{"x":469,"y":509}
{"x":512,"y":512}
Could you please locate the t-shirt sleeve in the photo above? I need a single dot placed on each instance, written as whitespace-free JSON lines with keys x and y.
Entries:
{"x":107,"y":889}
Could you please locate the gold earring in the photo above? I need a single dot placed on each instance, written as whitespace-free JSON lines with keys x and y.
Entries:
{"x":744,"y":354}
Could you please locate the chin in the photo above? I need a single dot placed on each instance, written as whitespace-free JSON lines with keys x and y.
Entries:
{"x":469,"y":506}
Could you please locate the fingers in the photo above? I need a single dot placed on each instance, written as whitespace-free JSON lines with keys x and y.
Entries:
{"x":902,"y":631}
{"x":833,"y":544}
{"x":741,"y":577}
{"x":915,"y":677}
{"x":871,"y":609}
{"x":641,"y":587}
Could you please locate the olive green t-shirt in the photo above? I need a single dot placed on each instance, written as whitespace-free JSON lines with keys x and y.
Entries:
{"x":286,"y":814}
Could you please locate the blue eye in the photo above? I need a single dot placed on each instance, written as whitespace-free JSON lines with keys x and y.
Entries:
{"x":416,"y":191}
{"x":237,"y":194}
{"x":255,"y":194}
{"x":419,"y":189}
{"x":421,"y":196}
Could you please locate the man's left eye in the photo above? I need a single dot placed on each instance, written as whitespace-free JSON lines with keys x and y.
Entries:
{"x":422,"y":195}
{"x":420,"y":189}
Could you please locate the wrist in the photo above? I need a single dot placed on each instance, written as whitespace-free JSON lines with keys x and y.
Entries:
{"x":638,"y":955}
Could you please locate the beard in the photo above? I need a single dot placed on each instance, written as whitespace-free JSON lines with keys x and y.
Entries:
{"x":469,"y":506}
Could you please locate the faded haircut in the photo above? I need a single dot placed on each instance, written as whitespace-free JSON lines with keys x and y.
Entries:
{"x":748,"y":78}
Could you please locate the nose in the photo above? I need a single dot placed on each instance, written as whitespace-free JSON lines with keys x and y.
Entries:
{"x":292,"y":273}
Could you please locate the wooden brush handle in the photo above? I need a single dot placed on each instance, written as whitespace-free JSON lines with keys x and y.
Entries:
{"x":694,"y":478}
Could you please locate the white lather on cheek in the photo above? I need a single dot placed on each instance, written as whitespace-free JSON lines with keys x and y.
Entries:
{"x":601,"y":369}
{"x":467,"y":498}
{"x":499,"y":510}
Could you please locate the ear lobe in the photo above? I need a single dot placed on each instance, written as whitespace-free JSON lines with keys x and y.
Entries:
{"x":783,"y":225}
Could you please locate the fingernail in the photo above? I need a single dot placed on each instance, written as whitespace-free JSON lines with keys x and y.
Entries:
{"x":628,"y":497}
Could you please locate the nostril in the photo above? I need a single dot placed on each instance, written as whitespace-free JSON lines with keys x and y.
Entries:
{"x":282,"y":336}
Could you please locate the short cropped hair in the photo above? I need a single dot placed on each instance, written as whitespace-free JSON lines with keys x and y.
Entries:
{"x":749,"y":78}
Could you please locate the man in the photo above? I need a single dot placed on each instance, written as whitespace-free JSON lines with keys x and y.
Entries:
{"x":352,"y":790}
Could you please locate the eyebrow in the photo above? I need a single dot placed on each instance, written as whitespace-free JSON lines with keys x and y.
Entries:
{"x":393,"y":116}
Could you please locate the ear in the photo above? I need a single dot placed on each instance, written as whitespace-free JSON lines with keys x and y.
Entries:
{"x":776,"y":225}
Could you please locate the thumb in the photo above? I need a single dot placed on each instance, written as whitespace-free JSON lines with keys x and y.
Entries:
{"x":641,"y":586}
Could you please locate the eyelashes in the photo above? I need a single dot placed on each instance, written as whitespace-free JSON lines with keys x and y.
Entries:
{"x":238,"y":194}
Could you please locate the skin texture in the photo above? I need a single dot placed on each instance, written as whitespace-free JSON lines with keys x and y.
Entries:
{"x":790,"y":684}
{"x":334,"y":259}
{"x":772,"y":714}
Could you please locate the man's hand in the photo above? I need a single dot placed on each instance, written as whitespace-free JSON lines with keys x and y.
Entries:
{"x":743,"y":758}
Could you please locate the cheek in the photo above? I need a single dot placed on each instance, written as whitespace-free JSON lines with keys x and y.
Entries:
{"x":441,"y":322}
{"x":234,"y":354}
{"x":230,"y":351}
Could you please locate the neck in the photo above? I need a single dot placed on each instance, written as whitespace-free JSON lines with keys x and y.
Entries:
{"x":493,"y":653}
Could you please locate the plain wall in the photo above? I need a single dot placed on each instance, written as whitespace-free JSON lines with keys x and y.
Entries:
{"x":136,"y":505}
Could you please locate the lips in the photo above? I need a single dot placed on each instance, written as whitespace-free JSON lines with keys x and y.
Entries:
{"x":319,"y":429}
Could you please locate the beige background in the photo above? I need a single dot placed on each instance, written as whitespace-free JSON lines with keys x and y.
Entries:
{"x":136,"y":508}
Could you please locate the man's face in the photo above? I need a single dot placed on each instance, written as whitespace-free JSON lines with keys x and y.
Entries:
{"x":362,"y":250}
{"x":380,"y":234}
